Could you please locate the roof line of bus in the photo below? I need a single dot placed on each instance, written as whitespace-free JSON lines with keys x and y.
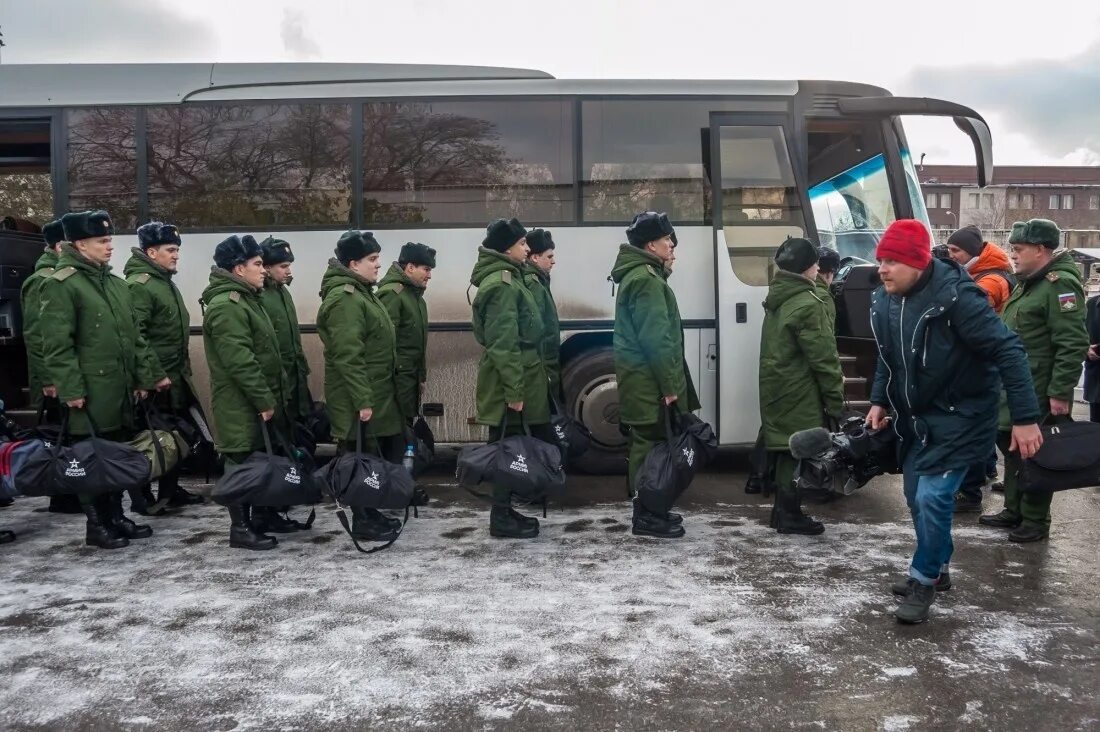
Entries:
{"x":59,"y":85}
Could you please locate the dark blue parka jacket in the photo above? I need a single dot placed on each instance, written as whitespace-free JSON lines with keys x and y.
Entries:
{"x":943,"y":356}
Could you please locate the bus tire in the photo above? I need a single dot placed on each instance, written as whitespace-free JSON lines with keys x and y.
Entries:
{"x":592,"y":397}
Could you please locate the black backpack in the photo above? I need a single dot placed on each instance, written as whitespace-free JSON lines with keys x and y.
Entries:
{"x":1069,"y":458}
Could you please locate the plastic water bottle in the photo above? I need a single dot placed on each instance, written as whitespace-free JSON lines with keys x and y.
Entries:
{"x":409,"y":458}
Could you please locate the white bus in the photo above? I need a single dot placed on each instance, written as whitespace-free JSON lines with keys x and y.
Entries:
{"x":432,"y":153}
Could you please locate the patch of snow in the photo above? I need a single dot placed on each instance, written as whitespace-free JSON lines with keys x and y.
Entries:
{"x":898,"y":723}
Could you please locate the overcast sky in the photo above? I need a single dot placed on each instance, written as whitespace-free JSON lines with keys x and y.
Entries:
{"x":1033,"y":70}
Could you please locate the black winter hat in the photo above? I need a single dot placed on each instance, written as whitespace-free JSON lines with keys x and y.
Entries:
{"x":969,"y":239}
{"x":416,"y":253}
{"x":87,"y":225}
{"x":539,"y":241}
{"x":354,"y":245}
{"x":828,"y":260}
{"x":501,"y":235}
{"x":156,"y":233}
{"x":796,"y":255}
{"x":53,"y":233}
{"x":276,"y":251}
{"x":649,"y":226}
{"x":236,"y":250}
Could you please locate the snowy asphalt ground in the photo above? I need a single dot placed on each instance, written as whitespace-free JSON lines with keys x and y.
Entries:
{"x":586,"y":627}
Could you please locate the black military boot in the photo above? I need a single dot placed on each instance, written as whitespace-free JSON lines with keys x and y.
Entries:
{"x":917,"y":605}
{"x":100,"y":532}
{"x":241,"y":533}
{"x":997,"y":486}
{"x":506,"y":523}
{"x":1027,"y":533}
{"x":787,"y":517}
{"x":6,"y":537}
{"x":420,"y":496}
{"x":905,"y":586}
{"x":65,"y":504}
{"x":268,"y":518}
{"x":755,"y":484}
{"x":123,"y":525}
{"x":674,"y":518}
{"x":965,"y":503}
{"x":1003,"y":520}
{"x":141,"y":502}
{"x":369,"y":524}
{"x":645,"y":523}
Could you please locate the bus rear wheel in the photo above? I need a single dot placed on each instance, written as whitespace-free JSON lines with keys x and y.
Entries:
{"x":592,"y":397}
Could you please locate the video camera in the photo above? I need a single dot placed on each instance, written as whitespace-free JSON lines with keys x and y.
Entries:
{"x":844,"y":461}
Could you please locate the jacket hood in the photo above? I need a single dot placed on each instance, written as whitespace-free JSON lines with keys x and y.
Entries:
{"x":786,"y":285}
{"x":338,"y":275}
{"x":139,"y":263}
{"x":47,"y":260}
{"x":992,"y":259}
{"x":1063,"y":264}
{"x":70,"y":257}
{"x":489,"y":262}
{"x":544,"y":278}
{"x":221,"y":281}
{"x":397,"y":275}
{"x":631,"y":257}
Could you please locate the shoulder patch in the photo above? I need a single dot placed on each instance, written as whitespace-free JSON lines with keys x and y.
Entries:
{"x":506,"y":277}
{"x":1052,"y":276}
{"x":234,"y":296}
{"x":1067,"y":301}
{"x":399,"y":288}
{"x":349,"y":288}
{"x":142,"y":278}
{"x":63,"y":274}
{"x":651,"y":270}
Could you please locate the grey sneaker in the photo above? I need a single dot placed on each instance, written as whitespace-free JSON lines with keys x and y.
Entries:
{"x":917,"y":605}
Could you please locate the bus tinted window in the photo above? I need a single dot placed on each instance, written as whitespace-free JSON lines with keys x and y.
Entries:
{"x":645,"y":156}
{"x":467,"y":162}
{"x":26,"y":189}
{"x":103,"y":163}
{"x":269,"y":165}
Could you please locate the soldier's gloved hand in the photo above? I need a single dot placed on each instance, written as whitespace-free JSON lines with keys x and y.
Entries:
{"x":1059,"y":407}
{"x":267,"y":415}
{"x":76,"y":403}
{"x":163,"y":384}
{"x":49,"y":391}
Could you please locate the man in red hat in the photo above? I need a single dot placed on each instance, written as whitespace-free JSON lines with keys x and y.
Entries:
{"x":943,"y":356}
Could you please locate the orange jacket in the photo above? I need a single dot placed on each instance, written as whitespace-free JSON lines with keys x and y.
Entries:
{"x":996,"y":288}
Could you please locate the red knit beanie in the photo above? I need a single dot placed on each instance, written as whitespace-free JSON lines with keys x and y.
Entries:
{"x":906,"y":241}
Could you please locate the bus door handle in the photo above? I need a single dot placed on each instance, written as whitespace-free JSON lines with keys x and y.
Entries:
{"x":741,"y":312}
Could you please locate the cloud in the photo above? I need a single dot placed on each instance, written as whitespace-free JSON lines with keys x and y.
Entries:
{"x":1053,"y":102}
{"x":295,"y":40}
{"x":60,"y":31}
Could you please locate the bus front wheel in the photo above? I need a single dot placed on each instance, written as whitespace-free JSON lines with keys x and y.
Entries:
{"x":592,"y":396}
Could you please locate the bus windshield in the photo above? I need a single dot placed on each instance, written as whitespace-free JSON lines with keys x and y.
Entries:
{"x":853,"y":208}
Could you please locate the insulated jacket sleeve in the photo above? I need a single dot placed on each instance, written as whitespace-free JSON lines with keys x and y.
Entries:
{"x":1069,"y":339}
{"x":983,"y":332}
{"x":392,"y":302}
{"x":347,"y":353}
{"x":150,"y":369}
{"x":232,"y":341}
{"x":31,"y":305}
{"x":501,"y":319}
{"x":818,"y":346}
{"x":651,"y":322}
{"x":62,"y":367}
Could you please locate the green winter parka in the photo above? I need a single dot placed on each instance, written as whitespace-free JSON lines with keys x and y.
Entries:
{"x":162,"y":318}
{"x":404,"y":301}
{"x":246,"y":368}
{"x":801,"y":381}
{"x":91,"y":347}
{"x":508,"y":326}
{"x":279,"y":306}
{"x":30,"y":302}
{"x":648,"y":340}
{"x":360,"y":354}
{"x":826,"y":295}
{"x":1047,"y":311}
{"x":538,"y":282}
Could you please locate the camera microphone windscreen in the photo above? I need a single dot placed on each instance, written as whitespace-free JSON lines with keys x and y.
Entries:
{"x":810,"y":443}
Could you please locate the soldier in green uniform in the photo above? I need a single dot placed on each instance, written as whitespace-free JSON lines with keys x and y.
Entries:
{"x":162,"y":318}
{"x":1047,"y":311}
{"x":402,"y":292}
{"x":511,"y":376}
{"x":277,"y":301}
{"x":95,"y":357}
{"x":247,"y":382}
{"x":649,"y":352}
{"x":801,"y":383}
{"x":540,"y":262}
{"x":360,"y":359}
{"x":30,"y":304}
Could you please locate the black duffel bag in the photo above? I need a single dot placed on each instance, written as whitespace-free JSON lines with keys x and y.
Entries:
{"x":530,"y":468}
{"x":670,"y":466}
{"x":573,"y":437}
{"x":267,"y":479}
{"x":1069,"y":458}
{"x":91,"y":466}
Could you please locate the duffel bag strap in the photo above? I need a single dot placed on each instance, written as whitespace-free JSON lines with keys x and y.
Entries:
{"x":342,"y":517}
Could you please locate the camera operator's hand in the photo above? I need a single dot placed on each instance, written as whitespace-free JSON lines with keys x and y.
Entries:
{"x":1027,"y":438}
{"x":877,"y":418}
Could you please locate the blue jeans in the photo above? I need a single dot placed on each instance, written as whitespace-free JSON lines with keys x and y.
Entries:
{"x":931,"y":500}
